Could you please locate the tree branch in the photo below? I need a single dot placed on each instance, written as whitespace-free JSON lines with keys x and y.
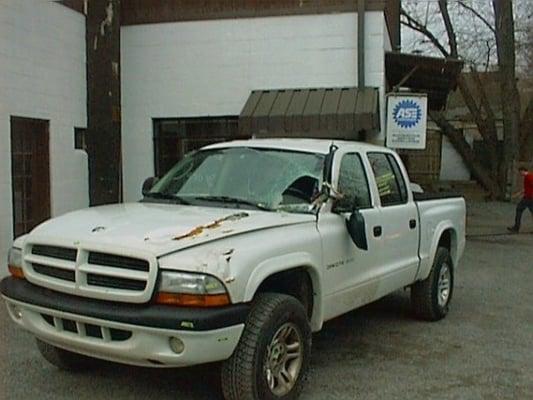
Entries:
{"x":477,"y":14}
{"x":452,"y":40}
{"x":419,"y":27}
{"x":460,"y":144}
{"x":487,"y":131}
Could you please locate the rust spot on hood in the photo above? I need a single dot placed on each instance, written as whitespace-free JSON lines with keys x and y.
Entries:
{"x":213,"y":225}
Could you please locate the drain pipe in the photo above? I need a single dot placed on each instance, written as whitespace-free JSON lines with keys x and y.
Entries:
{"x":361,"y":43}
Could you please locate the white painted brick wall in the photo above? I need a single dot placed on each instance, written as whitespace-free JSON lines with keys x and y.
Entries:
{"x":205,"y":68}
{"x":42,"y":75}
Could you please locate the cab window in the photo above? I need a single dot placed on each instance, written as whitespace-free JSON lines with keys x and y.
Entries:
{"x":353,"y":184}
{"x":391,"y":185}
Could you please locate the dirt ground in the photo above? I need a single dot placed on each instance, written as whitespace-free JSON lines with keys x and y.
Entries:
{"x":482,"y":350}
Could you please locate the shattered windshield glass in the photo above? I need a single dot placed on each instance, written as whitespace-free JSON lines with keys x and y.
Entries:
{"x":242,"y":176}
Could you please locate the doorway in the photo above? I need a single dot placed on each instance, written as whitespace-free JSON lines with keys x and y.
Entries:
{"x":30,"y":173}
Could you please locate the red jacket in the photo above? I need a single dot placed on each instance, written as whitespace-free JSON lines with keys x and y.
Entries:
{"x":528,"y":186}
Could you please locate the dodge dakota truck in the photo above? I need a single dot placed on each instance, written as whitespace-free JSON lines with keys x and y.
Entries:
{"x":236,"y":255}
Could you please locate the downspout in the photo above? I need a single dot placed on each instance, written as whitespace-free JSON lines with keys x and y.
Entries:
{"x":361,"y":43}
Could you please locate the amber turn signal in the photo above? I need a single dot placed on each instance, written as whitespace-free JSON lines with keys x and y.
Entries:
{"x":192,"y":300}
{"x":16,"y":272}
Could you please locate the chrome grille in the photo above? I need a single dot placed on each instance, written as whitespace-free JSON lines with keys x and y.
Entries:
{"x":92,"y":273}
{"x":87,"y":330}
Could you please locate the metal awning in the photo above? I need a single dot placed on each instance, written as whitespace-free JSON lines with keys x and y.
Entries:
{"x":333,"y":113}
{"x":431,"y":75}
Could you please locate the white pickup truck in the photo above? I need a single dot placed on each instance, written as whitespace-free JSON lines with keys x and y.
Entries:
{"x":237,"y":254}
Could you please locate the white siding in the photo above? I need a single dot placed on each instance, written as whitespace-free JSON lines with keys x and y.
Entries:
{"x":205,"y":68}
{"x":42,"y":75}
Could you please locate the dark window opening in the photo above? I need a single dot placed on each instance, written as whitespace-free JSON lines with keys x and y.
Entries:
{"x":173,"y":138}
{"x":80,"y":140}
{"x":30,"y":173}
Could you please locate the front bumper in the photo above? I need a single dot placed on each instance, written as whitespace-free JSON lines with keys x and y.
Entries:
{"x":127,"y":333}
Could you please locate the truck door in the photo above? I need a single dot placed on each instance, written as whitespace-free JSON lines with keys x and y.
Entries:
{"x":398,"y":228}
{"x":348,"y":269}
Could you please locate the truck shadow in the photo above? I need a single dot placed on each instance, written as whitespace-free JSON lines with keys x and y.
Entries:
{"x":348,"y":332}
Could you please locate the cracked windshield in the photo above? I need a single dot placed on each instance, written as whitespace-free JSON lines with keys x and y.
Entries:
{"x":243,"y":177}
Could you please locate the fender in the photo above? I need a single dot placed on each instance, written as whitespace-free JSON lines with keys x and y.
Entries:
{"x":426,"y":260}
{"x":284,"y":263}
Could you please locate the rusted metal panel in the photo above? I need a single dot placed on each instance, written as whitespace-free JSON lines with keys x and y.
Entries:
{"x":262,"y":111}
{"x":340,"y":113}
{"x":245,"y":119}
{"x":157,"y":11}
{"x":279,"y":109}
{"x":330,"y":108}
{"x":296,"y":109}
{"x":346,"y":111}
{"x":311,"y":113}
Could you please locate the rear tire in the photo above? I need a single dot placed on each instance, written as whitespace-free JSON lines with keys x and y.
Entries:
{"x":63,"y":359}
{"x":430,"y":298}
{"x":272,"y":358}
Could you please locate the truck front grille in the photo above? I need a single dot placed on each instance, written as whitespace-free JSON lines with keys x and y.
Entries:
{"x":115,"y":283}
{"x":62,"y":253}
{"x":111,"y":260}
{"x":83,"y":329}
{"x":91,"y":273}
{"x":53,"y":272}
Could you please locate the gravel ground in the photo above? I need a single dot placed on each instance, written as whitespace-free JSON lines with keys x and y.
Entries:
{"x":482,"y":350}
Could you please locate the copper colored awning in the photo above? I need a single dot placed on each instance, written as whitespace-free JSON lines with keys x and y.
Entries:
{"x":333,"y":113}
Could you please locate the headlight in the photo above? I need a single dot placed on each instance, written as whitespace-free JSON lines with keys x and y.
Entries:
{"x":191,"y":290}
{"x":14,"y":262}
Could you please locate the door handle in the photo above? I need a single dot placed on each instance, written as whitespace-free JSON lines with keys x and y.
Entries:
{"x":378,"y":231}
{"x":412,"y":224}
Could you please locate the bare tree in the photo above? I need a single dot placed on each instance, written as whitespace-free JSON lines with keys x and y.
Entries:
{"x":496,"y":178}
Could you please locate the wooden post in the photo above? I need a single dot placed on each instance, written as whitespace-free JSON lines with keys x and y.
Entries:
{"x":103,"y":101}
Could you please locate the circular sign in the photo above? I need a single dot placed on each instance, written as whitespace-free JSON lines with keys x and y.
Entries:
{"x":407,"y":114}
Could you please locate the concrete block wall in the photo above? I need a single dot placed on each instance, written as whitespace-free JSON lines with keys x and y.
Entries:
{"x":42,"y":75}
{"x":209,"y":68}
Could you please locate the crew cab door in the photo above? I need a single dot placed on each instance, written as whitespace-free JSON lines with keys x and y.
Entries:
{"x":348,"y":269}
{"x":398,"y":228}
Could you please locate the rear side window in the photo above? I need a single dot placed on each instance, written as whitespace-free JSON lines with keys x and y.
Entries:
{"x":353,"y":184}
{"x":390,"y":182}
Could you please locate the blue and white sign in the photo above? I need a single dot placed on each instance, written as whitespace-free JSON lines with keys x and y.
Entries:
{"x":406,"y":121}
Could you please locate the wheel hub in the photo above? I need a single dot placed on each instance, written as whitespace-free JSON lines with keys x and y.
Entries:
{"x":284,"y":359}
{"x":444,"y":285}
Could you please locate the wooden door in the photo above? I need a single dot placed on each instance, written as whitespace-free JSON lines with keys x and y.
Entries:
{"x":30,"y":173}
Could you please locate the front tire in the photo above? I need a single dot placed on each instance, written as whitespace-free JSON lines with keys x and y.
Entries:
{"x":63,"y":359}
{"x":272,"y":358}
{"x":431,"y":297}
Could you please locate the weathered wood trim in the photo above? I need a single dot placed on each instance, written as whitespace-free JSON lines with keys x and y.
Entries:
{"x":103,"y":101}
{"x":76,"y":5}
{"x":135,"y":12}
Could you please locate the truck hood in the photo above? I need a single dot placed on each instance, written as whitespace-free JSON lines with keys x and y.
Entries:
{"x":157,"y":228}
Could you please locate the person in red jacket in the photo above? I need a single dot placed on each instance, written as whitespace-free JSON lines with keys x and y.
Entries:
{"x":527,"y":199}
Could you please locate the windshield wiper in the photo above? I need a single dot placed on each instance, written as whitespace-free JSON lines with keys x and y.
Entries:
{"x":234,"y":200}
{"x":165,"y":196}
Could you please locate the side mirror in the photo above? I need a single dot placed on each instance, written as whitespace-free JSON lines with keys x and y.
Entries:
{"x":148,"y":184}
{"x":357,"y":229}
